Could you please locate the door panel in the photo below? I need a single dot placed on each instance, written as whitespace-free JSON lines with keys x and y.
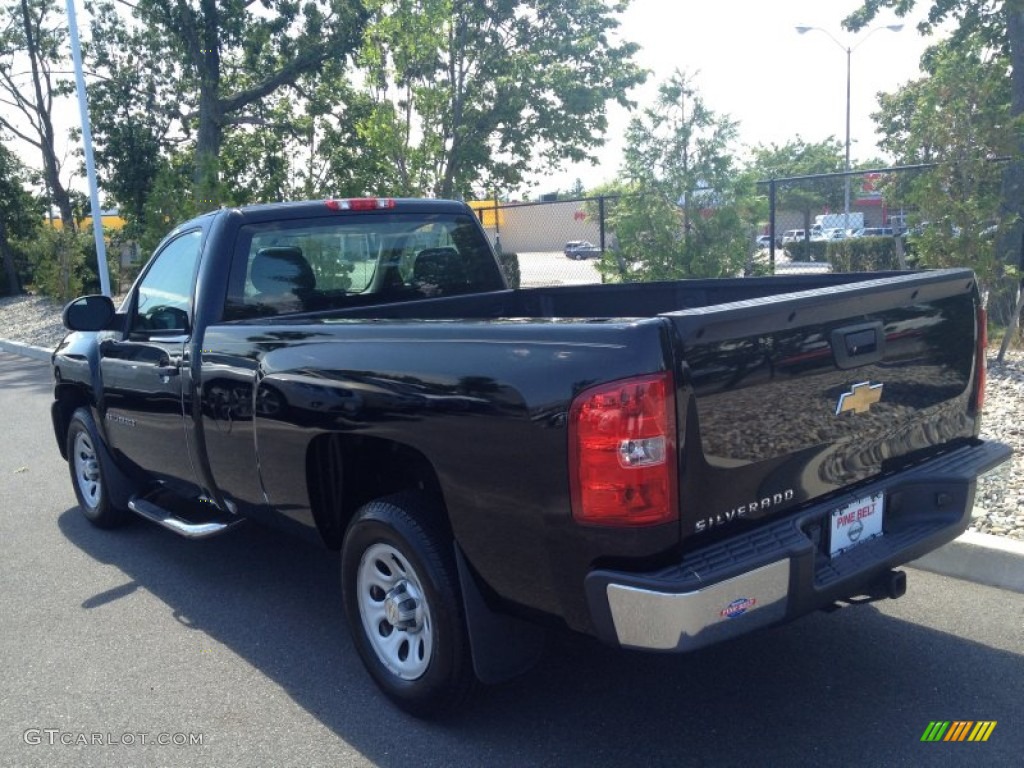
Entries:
{"x":143,"y":373}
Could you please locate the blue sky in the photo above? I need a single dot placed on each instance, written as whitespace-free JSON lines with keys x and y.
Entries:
{"x":751,"y":65}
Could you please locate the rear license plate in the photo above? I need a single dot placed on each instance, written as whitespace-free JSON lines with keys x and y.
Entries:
{"x":855,"y":523}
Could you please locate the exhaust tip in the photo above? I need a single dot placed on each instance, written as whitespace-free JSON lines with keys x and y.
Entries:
{"x":896,"y":584}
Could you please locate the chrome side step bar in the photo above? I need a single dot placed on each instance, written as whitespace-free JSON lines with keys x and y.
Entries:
{"x":186,"y":528}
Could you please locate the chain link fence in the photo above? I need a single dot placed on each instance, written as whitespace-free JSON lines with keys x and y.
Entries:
{"x":865,"y":220}
{"x":556,"y":242}
{"x":857,"y":221}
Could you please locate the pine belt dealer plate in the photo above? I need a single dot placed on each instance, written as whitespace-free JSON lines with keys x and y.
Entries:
{"x":855,"y":523}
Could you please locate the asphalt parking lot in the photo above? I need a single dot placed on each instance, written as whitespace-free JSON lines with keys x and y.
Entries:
{"x":235,"y":652}
{"x":539,"y":268}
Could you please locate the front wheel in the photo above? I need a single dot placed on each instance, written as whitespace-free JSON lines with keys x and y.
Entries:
{"x":403,"y":604}
{"x":88,"y":476}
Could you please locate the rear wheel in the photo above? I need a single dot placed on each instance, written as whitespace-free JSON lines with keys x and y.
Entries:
{"x":85,"y":461}
{"x":403,"y":604}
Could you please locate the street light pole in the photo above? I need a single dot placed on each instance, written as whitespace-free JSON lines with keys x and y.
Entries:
{"x":83,"y":106}
{"x":846,"y":178}
{"x":849,"y":60}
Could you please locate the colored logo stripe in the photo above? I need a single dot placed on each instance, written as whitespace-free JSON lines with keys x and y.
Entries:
{"x":982,"y":731}
{"x":958,"y":730}
{"x":935,"y":731}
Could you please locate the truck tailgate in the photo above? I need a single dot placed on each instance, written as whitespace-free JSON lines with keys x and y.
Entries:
{"x":792,"y":397}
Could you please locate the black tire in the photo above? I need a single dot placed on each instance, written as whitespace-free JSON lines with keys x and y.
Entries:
{"x":398,"y":568}
{"x":88,"y":474}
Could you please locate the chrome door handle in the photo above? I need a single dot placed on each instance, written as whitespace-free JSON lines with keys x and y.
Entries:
{"x":166,"y":371}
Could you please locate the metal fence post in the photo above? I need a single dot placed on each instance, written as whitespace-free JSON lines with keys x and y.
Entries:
{"x":497,"y":225}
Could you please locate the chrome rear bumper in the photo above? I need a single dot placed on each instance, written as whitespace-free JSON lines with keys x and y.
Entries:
{"x":660,"y":621}
{"x":781,"y":569}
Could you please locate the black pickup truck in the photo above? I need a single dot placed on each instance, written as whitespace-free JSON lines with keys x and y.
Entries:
{"x":662,"y":465}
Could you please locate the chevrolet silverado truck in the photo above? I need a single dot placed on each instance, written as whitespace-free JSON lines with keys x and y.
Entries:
{"x":661,"y":466}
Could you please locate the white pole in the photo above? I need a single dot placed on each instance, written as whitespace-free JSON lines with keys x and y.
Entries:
{"x":90,"y":167}
{"x":846,"y":178}
{"x":803,"y":29}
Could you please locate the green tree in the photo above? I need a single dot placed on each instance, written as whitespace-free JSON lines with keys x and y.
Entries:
{"x":168,"y":202}
{"x":339,"y":141}
{"x":258,"y":158}
{"x":33,"y":33}
{"x":132,"y":125}
{"x":20,"y":216}
{"x":686,"y":208}
{"x":223,"y":59}
{"x":802,"y":158}
{"x":957,"y":116}
{"x":990,"y":26}
{"x":480,"y":93}
{"x":308,"y":142}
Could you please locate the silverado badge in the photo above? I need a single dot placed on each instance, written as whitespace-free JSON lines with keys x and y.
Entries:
{"x":860,"y":398}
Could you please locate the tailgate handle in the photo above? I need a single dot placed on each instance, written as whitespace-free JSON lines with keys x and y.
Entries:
{"x":857,"y":345}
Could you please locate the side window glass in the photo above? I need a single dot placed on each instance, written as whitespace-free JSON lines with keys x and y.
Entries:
{"x":165,"y":294}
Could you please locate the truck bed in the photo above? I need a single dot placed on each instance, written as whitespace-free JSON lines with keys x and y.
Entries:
{"x":621,"y":300}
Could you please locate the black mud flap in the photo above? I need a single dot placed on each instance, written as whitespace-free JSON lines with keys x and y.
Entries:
{"x":503,"y":646}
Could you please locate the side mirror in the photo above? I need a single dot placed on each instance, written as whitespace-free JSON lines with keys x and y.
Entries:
{"x":88,"y":313}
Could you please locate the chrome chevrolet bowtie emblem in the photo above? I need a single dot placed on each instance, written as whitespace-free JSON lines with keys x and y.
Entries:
{"x":860,"y":398}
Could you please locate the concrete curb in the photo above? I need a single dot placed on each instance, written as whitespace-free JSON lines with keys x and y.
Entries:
{"x":25,"y":350}
{"x":982,"y":558}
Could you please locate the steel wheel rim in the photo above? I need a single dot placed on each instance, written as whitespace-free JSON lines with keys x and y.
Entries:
{"x":87,"y":470}
{"x":394,"y":611}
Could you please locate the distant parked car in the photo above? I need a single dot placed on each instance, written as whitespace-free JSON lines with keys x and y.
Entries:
{"x":581,"y":249}
{"x":875,"y":232}
{"x":764,"y":241}
{"x":793,"y":236}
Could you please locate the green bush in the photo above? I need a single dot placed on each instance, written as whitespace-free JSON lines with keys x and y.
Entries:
{"x":59,"y":263}
{"x":63,"y":265}
{"x":17,"y":248}
{"x":807,"y":250}
{"x":864,"y":254}
{"x":509,"y":263}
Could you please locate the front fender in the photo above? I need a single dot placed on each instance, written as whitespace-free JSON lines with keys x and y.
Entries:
{"x":78,"y":380}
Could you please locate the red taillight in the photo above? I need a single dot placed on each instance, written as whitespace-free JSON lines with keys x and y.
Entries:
{"x":360,"y":203}
{"x":622,"y":452}
{"x":980,"y":362}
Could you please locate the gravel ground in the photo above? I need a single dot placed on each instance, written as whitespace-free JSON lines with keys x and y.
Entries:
{"x":999,"y":507}
{"x":999,"y":504}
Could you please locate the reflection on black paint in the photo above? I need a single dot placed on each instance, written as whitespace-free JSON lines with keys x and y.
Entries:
{"x":767,"y":403}
{"x":226,"y":401}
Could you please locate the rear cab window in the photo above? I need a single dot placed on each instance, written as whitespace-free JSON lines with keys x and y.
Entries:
{"x":333,"y":262}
